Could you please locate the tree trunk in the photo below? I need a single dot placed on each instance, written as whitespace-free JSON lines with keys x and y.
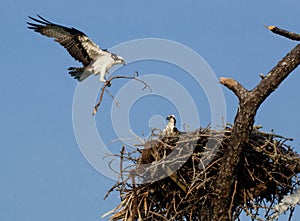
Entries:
{"x":219,"y":207}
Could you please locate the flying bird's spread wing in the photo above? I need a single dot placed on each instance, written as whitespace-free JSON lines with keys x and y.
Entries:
{"x":95,"y":60}
{"x":76,"y":42}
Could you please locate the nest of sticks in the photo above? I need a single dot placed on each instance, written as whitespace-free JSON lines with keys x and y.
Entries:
{"x":171,"y":177}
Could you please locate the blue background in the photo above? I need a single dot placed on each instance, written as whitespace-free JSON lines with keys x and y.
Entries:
{"x":44,"y":176}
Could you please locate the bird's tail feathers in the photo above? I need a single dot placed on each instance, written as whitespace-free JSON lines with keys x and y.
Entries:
{"x":79,"y":73}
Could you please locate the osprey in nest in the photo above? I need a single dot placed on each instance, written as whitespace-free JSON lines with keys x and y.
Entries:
{"x":171,"y":128}
{"x":94,"y":59}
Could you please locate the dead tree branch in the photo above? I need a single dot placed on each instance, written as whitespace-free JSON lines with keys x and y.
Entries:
{"x":284,"y":33}
{"x":235,"y":86}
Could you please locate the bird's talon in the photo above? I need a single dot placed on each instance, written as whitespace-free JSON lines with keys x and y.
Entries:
{"x":108,"y":83}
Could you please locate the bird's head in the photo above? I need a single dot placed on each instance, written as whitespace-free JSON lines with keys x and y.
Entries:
{"x":118,"y":59}
{"x":171,"y":119}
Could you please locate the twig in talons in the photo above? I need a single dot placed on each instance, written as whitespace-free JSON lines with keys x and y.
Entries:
{"x":95,"y":109}
{"x":284,"y":33}
{"x":108,"y":84}
{"x":110,"y":94}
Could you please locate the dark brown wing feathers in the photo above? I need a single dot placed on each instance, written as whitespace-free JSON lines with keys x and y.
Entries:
{"x":73,"y":40}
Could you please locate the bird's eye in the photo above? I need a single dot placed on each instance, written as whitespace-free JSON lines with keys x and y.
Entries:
{"x":114,"y":56}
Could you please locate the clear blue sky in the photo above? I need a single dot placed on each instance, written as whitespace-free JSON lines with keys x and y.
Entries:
{"x":44,"y":176}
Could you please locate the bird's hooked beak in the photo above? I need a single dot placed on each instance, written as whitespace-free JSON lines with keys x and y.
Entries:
{"x":121,"y":60}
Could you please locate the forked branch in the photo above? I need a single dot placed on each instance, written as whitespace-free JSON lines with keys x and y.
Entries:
{"x":249,"y":102}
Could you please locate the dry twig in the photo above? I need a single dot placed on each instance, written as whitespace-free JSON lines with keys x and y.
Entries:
{"x":108,"y":84}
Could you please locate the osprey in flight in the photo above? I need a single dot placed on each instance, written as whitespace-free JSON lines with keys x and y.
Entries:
{"x":94,"y":59}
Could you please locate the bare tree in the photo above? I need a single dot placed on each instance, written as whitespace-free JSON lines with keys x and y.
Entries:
{"x":252,"y":170}
{"x":249,"y":102}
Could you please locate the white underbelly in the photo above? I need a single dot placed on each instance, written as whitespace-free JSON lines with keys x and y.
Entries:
{"x":102,"y":64}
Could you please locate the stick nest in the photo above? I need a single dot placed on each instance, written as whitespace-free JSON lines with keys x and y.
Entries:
{"x":172,"y":177}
